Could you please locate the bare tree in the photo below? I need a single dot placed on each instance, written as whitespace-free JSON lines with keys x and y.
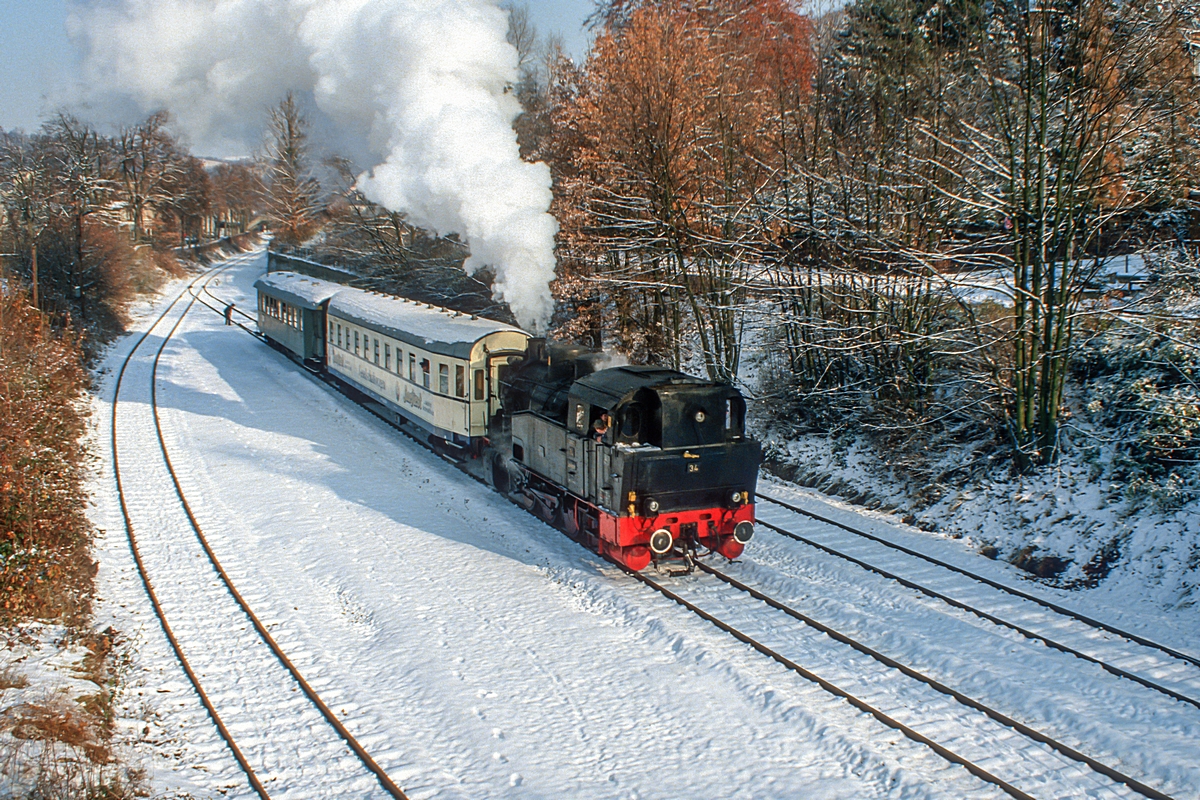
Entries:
{"x":291,"y":193}
{"x":26,"y":195}
{"x":1075,"y":95}
{"x":80,"y":161}
{"x":148,"y":164}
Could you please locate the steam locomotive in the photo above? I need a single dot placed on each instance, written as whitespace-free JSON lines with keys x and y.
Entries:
{"x":642,"y":464}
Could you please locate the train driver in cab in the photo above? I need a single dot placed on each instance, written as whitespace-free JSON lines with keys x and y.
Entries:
{"x":600,"y":427}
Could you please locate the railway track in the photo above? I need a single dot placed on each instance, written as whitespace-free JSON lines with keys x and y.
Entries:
{"x":1003,"y":719}
{"x":276,"y":669}
{"x":1023,"y":630}
{"x":1062,"y":752}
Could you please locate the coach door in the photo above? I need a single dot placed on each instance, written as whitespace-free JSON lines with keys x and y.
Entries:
{"x":314,"y":330}
{"x":497,"y":376}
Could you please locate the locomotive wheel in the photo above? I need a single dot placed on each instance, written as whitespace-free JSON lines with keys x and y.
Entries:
{"x":499,"y":474}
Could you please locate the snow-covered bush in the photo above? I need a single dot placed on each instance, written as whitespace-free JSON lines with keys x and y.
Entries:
{"x":1141,"y":391}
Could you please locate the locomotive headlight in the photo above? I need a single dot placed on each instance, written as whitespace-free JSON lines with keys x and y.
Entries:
{"x":653,"y":506}
{"x":743,"y":532}
{"x":700,"y":416}
{"x":736,"y":497}
{"x":661,"y":541}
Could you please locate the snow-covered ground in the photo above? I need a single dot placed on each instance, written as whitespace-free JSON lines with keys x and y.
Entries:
{"x":1116,"y":272}
{"x":478,"y":653}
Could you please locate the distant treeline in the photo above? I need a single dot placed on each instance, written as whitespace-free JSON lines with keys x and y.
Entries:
{"x":97,"y":216}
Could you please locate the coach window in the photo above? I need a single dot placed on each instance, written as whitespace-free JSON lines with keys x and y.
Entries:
{"x":425,"y":372}
{"x":443,"y":379}
{"x":339,"y":336}
{"x":387,"y":357}
{"x":377,"y":351}
{"x":399,"y":362}
{"x":478,"y":384}
{"x":356,"y":343}
{"x":460,"y":381}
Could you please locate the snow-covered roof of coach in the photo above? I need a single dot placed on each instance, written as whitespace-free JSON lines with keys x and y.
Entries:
{"x":296,"y":289}
{"x":438,"y":330}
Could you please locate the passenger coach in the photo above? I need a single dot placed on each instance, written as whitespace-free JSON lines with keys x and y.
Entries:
{"x":441,"y":369}
{"x":436,"y":368}
{"x":291,"y":313}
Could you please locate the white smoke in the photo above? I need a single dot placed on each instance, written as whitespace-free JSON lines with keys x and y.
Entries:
{"x":419,"y":90}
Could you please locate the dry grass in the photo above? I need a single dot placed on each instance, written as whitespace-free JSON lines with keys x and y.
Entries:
{"x":58,"y":751}
{"x":10,"y":678}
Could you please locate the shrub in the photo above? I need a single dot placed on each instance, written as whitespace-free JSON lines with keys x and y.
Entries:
{"x":45,"y":566}
{"x":1140,"y":383}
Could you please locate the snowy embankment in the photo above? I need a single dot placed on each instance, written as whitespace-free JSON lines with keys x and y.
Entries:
{"x":1119,"y":555}
{"x":478,"y":653}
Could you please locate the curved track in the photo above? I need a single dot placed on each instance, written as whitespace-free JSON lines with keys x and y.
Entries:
{"x":363,"y":758}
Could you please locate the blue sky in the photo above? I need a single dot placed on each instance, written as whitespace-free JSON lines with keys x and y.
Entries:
{"x":37,"y":61}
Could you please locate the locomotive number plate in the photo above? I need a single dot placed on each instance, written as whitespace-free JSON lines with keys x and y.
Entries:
{"x":693,"y":467}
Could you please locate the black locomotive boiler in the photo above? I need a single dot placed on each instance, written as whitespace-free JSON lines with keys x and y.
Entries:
{"x":642,"y":463}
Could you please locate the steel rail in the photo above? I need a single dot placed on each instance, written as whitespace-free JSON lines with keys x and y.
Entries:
{"x":1055,"y":607}
{"x":1003,"y":719}
{"x":992,"y":618}
{"x":251,"y":777}
{"x":381,"y":775}
{"x":831,"y":688}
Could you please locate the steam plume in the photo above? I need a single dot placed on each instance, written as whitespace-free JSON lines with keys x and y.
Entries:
{"x":416,"y":89}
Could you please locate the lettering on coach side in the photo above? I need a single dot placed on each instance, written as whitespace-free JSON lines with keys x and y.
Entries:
{"x":369,"y":377}
{"x":412,"y":398}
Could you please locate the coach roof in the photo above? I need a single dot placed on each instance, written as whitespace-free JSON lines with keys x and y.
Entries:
{"x":438,"y":330}
{"x":297,"y":290}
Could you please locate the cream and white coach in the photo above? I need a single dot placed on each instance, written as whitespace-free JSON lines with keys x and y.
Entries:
{"x":437,"y":368}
